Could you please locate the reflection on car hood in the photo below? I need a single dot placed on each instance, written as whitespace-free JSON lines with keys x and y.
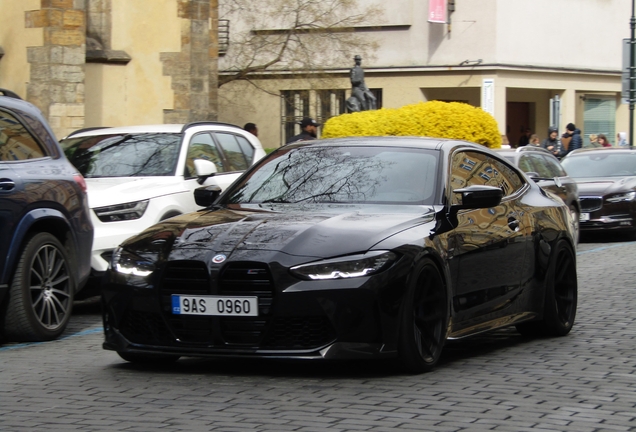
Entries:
{"x":598,"y":186}
{"x":315,"y":232}
{"x":119,"y":190}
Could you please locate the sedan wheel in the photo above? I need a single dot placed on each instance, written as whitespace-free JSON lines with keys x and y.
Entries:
{"x":41,"y":294}
{"x":424,"y":320}
{"x":561,"y":296}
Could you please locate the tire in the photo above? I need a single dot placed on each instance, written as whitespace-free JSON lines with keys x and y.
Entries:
{"x":148,"y":359}
{"x":424,"y":320}
{"x":41,"y":292}
{"x":561,"y":296}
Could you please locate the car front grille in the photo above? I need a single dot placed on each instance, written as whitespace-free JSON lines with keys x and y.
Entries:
{"x":185,"y":277}
{"x":591,"y":204}
{"x":145,"y":328}
{"x":291,"y":332}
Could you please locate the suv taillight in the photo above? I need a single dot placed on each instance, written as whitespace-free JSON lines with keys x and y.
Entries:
{"x":80,"y":181}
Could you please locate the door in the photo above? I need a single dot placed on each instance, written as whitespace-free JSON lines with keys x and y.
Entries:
{"x":491,"y":244}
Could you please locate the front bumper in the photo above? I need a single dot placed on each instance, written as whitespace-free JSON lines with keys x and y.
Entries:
{"x":340,"y":319}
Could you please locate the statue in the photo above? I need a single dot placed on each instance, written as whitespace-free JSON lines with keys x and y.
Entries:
{"x":361,"y":97}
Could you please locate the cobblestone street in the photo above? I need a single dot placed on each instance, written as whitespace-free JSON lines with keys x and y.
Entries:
{"x":500,"y":381}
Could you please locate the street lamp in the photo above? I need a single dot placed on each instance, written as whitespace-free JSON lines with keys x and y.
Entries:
{"x":632,"y":77}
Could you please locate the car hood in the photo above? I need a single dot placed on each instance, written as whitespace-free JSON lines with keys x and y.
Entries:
{"x":599,"y":186}
{"x":118,"y":190}
{"x":317,"y":232}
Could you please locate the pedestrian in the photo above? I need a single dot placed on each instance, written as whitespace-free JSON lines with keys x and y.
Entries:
{"x":602,"y":140}
{"x":309,"y":128}
{"x":524,"y":140}
{"x":621,"y":139}
{"x":251,"y":128}
{"x":571,"y":140}
{"x":593,"y":141}
{"x":552,"y":143}
{"x":535,"y":141}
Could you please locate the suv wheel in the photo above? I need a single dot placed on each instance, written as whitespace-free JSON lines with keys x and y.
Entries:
{"x":41,"y":294}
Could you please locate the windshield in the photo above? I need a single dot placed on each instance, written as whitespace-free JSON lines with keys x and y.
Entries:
{"x":380,"y":175}
{"x":600,"y":164}
{"x":130,"y":155}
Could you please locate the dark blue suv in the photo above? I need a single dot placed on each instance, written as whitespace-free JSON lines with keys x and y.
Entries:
{"x":45,"y":229}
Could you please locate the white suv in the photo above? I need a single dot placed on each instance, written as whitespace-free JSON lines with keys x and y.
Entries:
{"x":140,"y":175}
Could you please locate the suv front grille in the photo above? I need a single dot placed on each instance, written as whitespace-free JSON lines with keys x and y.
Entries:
{"x":185,"y":277}
{"x":591,"y":204}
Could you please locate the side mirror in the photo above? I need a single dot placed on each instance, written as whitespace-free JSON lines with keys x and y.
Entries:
{"x":476,"y":197}
{"x":204,"y":169}
{"x":206,"y":196}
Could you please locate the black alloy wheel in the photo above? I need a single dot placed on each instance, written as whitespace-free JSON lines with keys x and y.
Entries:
{"x":41,"y":292}
{"x":424,"y":320}
{"x":561,"y":296}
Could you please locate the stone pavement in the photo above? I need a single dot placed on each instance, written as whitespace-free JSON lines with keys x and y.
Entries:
{"x":500,"y":382}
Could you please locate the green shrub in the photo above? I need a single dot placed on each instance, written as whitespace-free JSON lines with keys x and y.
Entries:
{"x":433,"y":119}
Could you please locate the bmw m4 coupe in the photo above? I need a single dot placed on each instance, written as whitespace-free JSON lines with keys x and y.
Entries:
{"x":352,"y":248}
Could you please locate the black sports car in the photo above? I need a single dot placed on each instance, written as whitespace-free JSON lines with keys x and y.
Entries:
{"x":348,"y":248}
{"x":606,"y":178}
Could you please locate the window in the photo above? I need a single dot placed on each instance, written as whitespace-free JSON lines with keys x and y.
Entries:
{"x":16,"y":143}
{"x":202,"y":146}
{"x":232,"y":151}
{"x":295,"y":107}
{"x":472,"y":168}
{"x":330,"y":103}
{"x":599,"y":117}
{"x":553,"y":166}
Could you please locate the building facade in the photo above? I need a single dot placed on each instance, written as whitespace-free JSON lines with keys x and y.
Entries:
{"x":87,"y":63}
{"x":523,"y":61}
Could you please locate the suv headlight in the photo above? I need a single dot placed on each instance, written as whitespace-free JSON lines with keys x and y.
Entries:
{"x":121,"y":212}
{"x":628,"y":196}
{"x":126,"y":262}
{"x":346,"y":267}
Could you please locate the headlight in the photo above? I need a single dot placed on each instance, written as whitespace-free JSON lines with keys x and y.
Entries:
{"x":628,"y":196}
{"x":121,"y":212}
{"x":346,"y":267}
{"x":128,"y":263}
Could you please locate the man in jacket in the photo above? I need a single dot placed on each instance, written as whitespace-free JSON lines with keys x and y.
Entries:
{"x":552,"y":143}
{"x":571,"y":139}
{"x":309,"y":128}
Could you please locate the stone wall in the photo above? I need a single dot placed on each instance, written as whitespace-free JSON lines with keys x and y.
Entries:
{"x":56,"y":81}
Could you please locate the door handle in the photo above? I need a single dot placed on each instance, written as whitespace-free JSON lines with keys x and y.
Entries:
{"x":6,"y":184}
{"x":513,"y":224}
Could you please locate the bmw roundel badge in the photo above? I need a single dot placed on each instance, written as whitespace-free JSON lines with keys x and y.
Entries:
{"x":219,"y":258}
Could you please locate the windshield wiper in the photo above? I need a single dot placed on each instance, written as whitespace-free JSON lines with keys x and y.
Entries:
{"x":276,"y":200}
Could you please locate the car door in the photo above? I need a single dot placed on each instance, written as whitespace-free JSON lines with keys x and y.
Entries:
{"x":234,"y":148}
{"x":491,"y":244}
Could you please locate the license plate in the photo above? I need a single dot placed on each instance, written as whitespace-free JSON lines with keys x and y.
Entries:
{"x":584,"y":217}
{"x":214,"y":305}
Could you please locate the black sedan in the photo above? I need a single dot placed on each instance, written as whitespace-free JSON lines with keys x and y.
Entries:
{"x":606,"y":178}
{"x":348,"y":249}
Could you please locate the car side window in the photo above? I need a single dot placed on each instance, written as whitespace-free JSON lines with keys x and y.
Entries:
{"x":16,"y":143}
{"x":202,"y":146}
{"x":554,"y":166}
{"x":232,"y":151}
{"x":470,"y":168}
{"x":246,"y":148}
{"x":541,"y":166}
{"x":525,"y":164}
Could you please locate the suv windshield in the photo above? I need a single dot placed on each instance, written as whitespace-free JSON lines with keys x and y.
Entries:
{"x":341,"y":175}
{"x":129,"y":155}
{"x":600,"y":164}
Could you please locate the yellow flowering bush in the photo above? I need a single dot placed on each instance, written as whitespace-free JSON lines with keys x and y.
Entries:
{"x":432,"y":119}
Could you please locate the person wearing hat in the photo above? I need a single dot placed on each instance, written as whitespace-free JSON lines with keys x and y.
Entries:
{"x":309,"y":128}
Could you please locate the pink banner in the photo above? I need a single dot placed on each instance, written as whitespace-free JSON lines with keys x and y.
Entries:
{"x":437,"y":10}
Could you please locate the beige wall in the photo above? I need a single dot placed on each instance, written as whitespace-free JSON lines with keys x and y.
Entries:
{"x":136,"y":93}
{"x":14,"y":68}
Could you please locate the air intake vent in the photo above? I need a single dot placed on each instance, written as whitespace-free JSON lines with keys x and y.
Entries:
{"x":185,"y":277}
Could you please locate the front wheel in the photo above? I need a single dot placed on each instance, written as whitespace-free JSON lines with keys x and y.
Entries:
{"x":424,"y":320}
{"x":41,"y":292}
